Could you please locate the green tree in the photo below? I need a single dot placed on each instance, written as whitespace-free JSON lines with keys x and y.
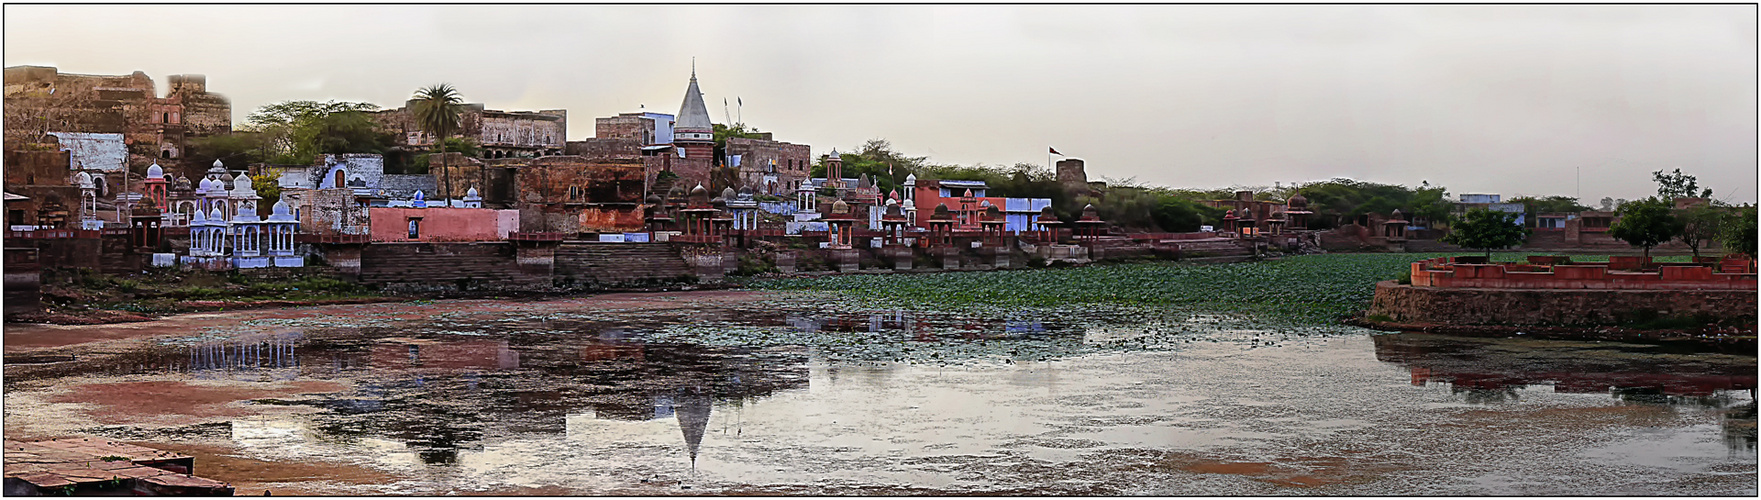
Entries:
{"x":278,"y":124}
{"x":1179,"y":215}
{"x":267,"y":187}
{"x":1645,"y":223}
{"x":1678,"y":185}
{"x":437,"y":108}
{"x":1737,"y":232}
{"x":238,"y":147}
{"x":1699,"y":225}
{"x":1486,"y":230}
{"x":338,"y":133}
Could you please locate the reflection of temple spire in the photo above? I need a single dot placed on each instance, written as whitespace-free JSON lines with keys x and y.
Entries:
{"x":692,"y":408}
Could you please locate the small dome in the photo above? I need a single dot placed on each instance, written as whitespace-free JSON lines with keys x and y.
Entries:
{"x":909,"y":205}
{"x":967,"y":194}
{"x":1230,"y":214}
{"x":155,"y":170}
{"x":418,"y":196}
{"x":653,"y":199}
{"x":217,"y":163}
{"x":280,"y":208}
{"x":181,"y":183}
{"x":699,"y":190}
{"x":911,"y":178}
{"x":941,"y":212}
{"x":84,"y":180}
{"x":745,"y":191}
{"x":1297,"y":201}
{"x":892,"y":202}
{"x":727,"y":193}
{"x":1395,"y":215}
{"x":217,"y":215}
{"x":472,"y":193}
{"x":984,"y":203}
{"x":839,"y":207}
{"x":198,"y":217}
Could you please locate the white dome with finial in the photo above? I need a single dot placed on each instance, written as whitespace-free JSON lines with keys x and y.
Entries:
{"x":218,"y":164}
{"x":198,"y":218}
{"x":217,"y":214}
{"x":155,"y":170}
{"x":471,"y":193}
{"x":280,"y":212}
{"x":85,"y":181}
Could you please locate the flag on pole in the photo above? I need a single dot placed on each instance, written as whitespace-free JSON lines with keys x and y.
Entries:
{"x":1055,"y":151}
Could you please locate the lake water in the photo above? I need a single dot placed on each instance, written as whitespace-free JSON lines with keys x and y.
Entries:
{"x":574,"y":396}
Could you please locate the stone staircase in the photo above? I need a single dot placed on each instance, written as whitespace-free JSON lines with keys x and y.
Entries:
{"x":462,"y":265}
{"x":1211,"y":247}
{"x":619,"y":265}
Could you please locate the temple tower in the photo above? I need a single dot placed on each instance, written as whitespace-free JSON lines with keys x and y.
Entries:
{"x":693,"y":131}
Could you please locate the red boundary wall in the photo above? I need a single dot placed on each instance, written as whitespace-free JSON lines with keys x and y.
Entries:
{"x":1443,"y":272}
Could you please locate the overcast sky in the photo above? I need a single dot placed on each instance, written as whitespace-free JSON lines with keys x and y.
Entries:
{"x":1481,"y":99}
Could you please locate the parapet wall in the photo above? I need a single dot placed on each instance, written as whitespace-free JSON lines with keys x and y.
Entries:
{"x":1562,"y":307}
{"x":1443,"y":273}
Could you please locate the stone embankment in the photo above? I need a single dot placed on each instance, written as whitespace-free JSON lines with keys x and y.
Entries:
{"x":1559,"y":299}
{"x":1556,"y":307}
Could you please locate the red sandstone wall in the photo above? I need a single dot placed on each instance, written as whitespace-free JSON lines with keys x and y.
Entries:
{"x":1406,"y":303}
{"x":1429,"y":273}
{"x":438,"y":224}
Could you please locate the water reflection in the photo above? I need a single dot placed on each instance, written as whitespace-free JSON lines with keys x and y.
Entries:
{"x":1629,"y":371}
{"x":272,"y":357}
{"x":1490,"y":371}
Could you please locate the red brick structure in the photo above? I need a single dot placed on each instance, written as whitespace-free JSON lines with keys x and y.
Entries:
{"x":1442,"y":272}
{"x":1448,"y":291}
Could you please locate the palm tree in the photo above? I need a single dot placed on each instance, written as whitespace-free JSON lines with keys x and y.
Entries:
{"x":437,"y":113}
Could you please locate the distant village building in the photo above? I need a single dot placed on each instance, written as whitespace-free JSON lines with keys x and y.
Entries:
{"x":1491,"y":202}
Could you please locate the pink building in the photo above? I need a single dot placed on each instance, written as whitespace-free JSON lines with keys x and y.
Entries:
{"x":441,"y":224}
